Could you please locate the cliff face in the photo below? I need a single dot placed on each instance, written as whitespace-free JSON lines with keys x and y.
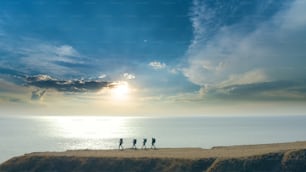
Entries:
{"x":288,"y":161}
{"x":84,"y":164}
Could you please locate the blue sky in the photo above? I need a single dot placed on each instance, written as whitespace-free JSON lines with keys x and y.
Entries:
{"x":152,"y":57}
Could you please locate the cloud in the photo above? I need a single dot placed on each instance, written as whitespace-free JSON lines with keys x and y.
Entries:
{"x":8,"y":87}
{"x":48,"y":82}
{"x":274,"y":90}
{"x":101,"y":76}
{"x":11,"y":92}
{"x":57,"y":59}
{"x":266,"y":45}
{"x":129,"y":76}
{"x":156,"y":65}
{"x":1,"y":30}
{"x":37,"y":94}
{"x":36,"y":56}
{"x":66,"y":50}
{"x":10,"y":99}
{"x":12,"y":86}
{"x":250,"y":77}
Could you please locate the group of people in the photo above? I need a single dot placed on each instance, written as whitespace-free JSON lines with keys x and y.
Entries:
{"x":144,"y":142}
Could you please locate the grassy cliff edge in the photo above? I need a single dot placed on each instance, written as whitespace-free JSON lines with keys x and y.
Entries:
{"x":282,"y":160}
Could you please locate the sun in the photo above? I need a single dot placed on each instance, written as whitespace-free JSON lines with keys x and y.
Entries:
{"x":120,"y":91}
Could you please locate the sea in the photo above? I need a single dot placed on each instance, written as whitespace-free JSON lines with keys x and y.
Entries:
{"x":21,"y":135}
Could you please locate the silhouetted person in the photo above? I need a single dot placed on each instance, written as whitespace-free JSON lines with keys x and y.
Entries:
{"x":153,"y":143}
{"x":120,"y":144}
{"x":134,"y":143}
{"x":144,"y":143}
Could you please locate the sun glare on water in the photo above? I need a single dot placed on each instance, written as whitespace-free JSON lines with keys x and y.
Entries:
{"x":88,"y":127}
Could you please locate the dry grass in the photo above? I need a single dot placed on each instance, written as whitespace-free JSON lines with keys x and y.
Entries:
{"x":186,"y":153}
{"x":268,"y":157}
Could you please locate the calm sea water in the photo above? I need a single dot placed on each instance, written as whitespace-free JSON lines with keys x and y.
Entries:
{"x":30,"y":134}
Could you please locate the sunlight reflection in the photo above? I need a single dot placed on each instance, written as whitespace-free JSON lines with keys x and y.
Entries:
{"x":90,"y":127}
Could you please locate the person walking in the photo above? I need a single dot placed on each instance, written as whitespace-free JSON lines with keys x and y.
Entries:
{"x":144,"y":143}
{"x":120,"y":144}
{"x":134,"y":144}
{"x":153,"y":143}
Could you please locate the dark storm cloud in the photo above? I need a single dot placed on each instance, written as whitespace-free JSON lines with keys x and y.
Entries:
{"x":47,"y":82}
{"x":43,"y":82}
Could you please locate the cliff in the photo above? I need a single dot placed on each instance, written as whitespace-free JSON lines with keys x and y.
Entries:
{"x":161,"y":160}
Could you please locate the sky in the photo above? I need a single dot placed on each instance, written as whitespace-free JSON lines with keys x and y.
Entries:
{"x":150,"y":57}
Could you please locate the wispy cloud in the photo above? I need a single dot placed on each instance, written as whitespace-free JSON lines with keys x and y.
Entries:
{"x":250,"y":77}
{"x":129,"y":76}
{"x":12,"y":93}
{"x":1,"y":29}
{"x":37,"y":94}
{"x":227,"y":56}
{"x":274,"y":90}
{"x":102,"y":76}
{"x":157,"y":65}
{"x":49,"y":57}
{"x":35,"y":56}
{"x":66,"y":50}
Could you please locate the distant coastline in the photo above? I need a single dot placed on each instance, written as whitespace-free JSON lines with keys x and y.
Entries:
{"x":264,"y":157}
